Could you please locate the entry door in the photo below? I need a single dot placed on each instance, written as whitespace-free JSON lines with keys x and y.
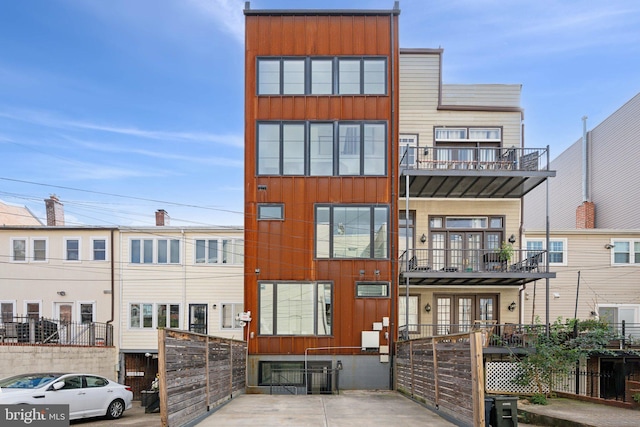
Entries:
{"x":64,"y":313}
{"x":198,"y":318}
{"x":464,"y":251}
{"x":457,"y":313}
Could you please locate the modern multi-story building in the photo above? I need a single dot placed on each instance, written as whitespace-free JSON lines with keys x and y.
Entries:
{"x":321,"y":109}
{"x":464,"y":171}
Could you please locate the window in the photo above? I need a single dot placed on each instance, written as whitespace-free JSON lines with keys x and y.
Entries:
{"x":557,"y":253}
{"x":39,"y":249}
{"x":220,"y":251}
{"x":230,"y":313}
{"x":468,"y":134}
{"x":168,"y":315}
{"x":168,"y":251}
{"x":32,"y":309}
{"x":372,"y":290}
{"x":351,"y":231}
{"x":322,"y":149}
{"x":408,"y":145}
{"x":141,"y":251}
{"x":6,"y":312}
{"x":322,"y":76}
{"x":198,"y":318}
{"x":267,"y":212}
{"x":86,"y":312}
{"x":295,"y":308}
{"x":19,"y":250}
{"x":93,"y":381}
{"x":141,"y":315}
{"x":72,"y":248}
{"x":626,"y":251}
{"x":406,"y":232}
{"x":413,"y":313}
{"x":99,"y":249}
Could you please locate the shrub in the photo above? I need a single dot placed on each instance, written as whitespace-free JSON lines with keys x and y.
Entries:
{"x":538,"y":399}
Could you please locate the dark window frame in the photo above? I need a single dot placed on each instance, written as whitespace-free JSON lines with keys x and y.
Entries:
{"x":386,"y":285}
{"x":270,"y":218}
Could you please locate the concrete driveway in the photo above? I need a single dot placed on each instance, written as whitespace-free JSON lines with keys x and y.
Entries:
{"x":349,"y":409}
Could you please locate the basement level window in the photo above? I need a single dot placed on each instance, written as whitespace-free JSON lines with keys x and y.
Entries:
{"x":372,"y":290}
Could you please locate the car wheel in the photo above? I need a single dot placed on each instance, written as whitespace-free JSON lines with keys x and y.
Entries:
{"x":115,"y":409}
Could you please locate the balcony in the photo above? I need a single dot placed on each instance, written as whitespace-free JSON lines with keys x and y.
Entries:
{"x":472,"y":267}
{"x":494,"y":172}
{"x":41,"y":331}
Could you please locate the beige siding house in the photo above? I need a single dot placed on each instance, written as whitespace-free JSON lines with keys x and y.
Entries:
{"x":461,"y":147}
{"x":594,"y":225}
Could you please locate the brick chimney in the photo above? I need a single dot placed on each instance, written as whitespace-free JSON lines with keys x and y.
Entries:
{"x":55,"y":211}
{"x":586,"y":215}
{"x":162,"y":218}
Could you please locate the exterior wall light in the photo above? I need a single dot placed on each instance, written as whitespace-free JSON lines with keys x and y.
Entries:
{"x":512,"y":306}
{"x":427,"y":308}
{"x":423,"y":238}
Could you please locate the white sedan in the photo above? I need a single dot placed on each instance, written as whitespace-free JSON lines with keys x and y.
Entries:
{"x":87,"y":395}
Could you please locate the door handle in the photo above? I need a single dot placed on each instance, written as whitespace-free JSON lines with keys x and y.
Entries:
{"x":40,"y":396}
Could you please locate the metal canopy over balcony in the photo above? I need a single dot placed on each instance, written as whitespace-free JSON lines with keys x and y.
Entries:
{"x":443,"y":278}
{"x":473,"y":172}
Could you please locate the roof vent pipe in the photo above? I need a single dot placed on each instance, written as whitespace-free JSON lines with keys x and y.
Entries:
{"x":585,"y":168}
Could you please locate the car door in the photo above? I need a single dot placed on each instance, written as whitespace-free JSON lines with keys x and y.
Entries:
{"x":97,"y":395}
{"x":70,"y":394}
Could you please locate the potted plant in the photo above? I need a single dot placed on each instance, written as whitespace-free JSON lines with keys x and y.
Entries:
{"x":505,"y":252}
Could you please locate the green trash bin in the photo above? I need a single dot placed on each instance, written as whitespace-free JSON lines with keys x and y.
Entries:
{"x":505,"y":411}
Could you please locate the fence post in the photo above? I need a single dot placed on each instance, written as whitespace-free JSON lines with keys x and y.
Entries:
{"x":477,"y":378}
{"x":208,"y":372}
{"x":162,"y":378}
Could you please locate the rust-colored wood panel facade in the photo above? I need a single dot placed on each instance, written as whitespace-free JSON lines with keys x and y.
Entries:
{"x":284,"y":250}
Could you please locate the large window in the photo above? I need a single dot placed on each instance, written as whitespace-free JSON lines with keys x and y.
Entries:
{"x":557,"y":253}
{"x":295,"y":308}
{"x":460,"y":146}
{"x":219,"y":251}
{"x":625,"y":251}
{"x":149,"y":315}
{"x":352,"y":231}
{"x":322,"y":149}
{"x":230,"y":314}
{"x":167,"y":251}
{"x":322,"y":76}
{"x":168,"y":315}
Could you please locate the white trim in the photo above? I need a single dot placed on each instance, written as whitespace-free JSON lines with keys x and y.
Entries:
{"x":631,"y":252}
{"x":92,"y":250}
{"x":65,"y":254}
{"x":9,"y":301}
{"x":565,"y":249}
{"x":33,"y":249}
{"x":78,"y":310}
{"x":235,"y":326}
{"x":26,"y":250}
{"x":31,"y":301}
{"x":219,"y":239}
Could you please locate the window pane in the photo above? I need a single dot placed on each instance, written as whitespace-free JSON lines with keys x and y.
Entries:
{"x":323,"y":228}
{"x":148,"y":251}
{"x":293,"y":149}
{"x":213,"y":251}
{"x":636,"y":250}
{"x":268,"y":149}
{"x":135,"y":251}
{"x":293,"y":77}
{"x":227,"y":316}
{"x":451,"y":133}
{"x":39,"y":250}
{"x":556,"y":251}
{"x":270,"y":212}
{"x":375,"y":148}
{"x":99,"y":250}
{"x":352,"y":232}
{"x":321,"y":149}
{"x":174,"y":257}
{"x":227,"y":255}
{"x":134,"y":315}
{"x":321,"y":76}
{"x":491,"y":134}
{"x":72,"y":250}
{"x":266,"y":309}
{"x":239,"y":252}
{"x":147,"y":315}
{"x":86,"y":313}
{"x":349,"y":149}
{"x":162,"y":315}
{"x":323,"y":309}
{"x":33,"y":310}
{"x":162,"y":251}
{"x":200,"y":251}
{"x":6,"y":309}
{"x":19,"y":250}
{"x":372,"y":290}
{"x":295,"y":307}
{"x":374,"y":76}
{"x":380,"y":233}
{"x":268,"y":77}
{"x":174,"y":320}
{"x":349,"y":76}
{"x":621,"y":252}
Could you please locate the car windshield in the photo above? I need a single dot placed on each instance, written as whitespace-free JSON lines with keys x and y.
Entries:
{"x":27,"y":381}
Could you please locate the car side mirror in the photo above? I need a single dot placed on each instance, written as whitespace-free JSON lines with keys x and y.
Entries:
{"x":58,"y":385}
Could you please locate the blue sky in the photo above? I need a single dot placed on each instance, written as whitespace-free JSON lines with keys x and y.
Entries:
{"x":122,"y":107}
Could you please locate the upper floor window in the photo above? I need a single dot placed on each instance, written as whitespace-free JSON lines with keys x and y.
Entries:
{"x":39,"y":249}
{"x":372,"y":290}
{"x":167,"y":251}
{"x":625,"y":251}
{"x":295,"y":308}
{"x":72,"y":249}
{"x":267,"y":212}
{"x":322,"y":149}
{"x":219,"y":251}
{"x":468,"y":134}
{"x":322,"y":76}
{"x":19,"y":250}
{"x":99,"y":249}
{"x":352,"y":231}
{"x":141,"y":251}
{"x":557,"y":253}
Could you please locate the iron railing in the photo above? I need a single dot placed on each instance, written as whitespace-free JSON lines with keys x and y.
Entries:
{"x":475,"y":158}
{"x":473,"y":260}
{"x":43,"y":331}
{"x":601,"y":384}
{"x":303,"y":381}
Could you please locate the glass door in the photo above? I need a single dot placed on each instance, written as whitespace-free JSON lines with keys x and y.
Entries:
{"x":198,"y":318}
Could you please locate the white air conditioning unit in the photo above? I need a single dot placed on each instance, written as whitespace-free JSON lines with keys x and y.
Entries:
{"x":370,"y":340}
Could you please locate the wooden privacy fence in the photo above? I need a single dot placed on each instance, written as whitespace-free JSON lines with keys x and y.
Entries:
{"x":196,"y":373}
{"x":445,"y":372}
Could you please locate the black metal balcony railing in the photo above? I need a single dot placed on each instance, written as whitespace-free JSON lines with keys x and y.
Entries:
{"x":42,"y":331}
{"x":475,"y":158}
{"x":472,"y":260}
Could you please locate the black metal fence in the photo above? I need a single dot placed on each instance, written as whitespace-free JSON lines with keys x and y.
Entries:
{"x":609,"y":385}
{"x":303,"y":381}
{"x":42,"y":331}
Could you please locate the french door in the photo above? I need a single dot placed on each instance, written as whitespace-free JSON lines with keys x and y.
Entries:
{"x":457,"y":313}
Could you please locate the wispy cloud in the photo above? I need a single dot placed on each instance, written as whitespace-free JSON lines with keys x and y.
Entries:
{"x":227,"y":13}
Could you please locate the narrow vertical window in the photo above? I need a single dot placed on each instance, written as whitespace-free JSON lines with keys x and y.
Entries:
{"x":374,"y":77}
{"x":99,"y":250}
{"x":321,"y":149}
{"x":19,"y":250}
{"x":268,"y":77}
{"x":349,"y":76}
{"x":73,"y":250}
{"x":39,"y":250}
{"x":349,"y":149}
{"x":375,"y":149}
{"x":293,"y":77}
{"x":293,"y":149}
{"x":268,"y":149}
{"x":321,"y":76}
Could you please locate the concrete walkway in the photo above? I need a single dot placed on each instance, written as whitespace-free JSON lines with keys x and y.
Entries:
{"x":349,"y":409}
{"x":575,"y":413}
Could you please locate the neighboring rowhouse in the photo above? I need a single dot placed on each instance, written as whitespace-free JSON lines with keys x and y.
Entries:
{"x":594,"y":241}
{"x":464,"y":163}
{"x":188,"y":278}
{"x":321,"y":105}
